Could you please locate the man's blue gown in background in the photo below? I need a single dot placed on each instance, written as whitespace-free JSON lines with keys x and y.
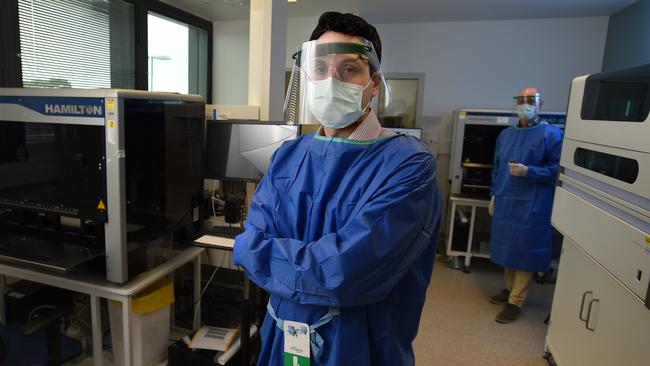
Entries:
{"x":521,"y":236}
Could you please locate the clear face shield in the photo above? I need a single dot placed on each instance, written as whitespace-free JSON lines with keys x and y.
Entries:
{"x":331,"y":83}
{"x":527,"y":106}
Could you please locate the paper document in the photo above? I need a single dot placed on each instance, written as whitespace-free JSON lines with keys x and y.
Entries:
{"x":214,"y":338}
{"x":216,"y":242}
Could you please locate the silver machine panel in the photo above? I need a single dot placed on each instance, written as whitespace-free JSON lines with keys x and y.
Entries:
{"x":101,"y":174}
{"x":602,"y":202}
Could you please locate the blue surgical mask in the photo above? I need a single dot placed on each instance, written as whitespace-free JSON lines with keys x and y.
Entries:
{"x":336,"y":104}
{"x":526,"y":111}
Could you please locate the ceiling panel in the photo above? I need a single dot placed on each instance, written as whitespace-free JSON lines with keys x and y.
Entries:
{"x":410,"y":11}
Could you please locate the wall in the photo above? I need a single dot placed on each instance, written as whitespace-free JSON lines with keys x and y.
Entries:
{"x":299,"y":30}
{"x":466,"y":64}
{"x":628,"y":37}
{"x":484,"y":63}
{"x":230,"y":56}
{"x":230,"y":62}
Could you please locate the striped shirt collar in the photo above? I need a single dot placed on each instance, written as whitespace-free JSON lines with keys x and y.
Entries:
{"x":532,"y":123}
{"x":370,"y":129}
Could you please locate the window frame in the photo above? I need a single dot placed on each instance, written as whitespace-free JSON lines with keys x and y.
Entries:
{"x":10,"y":62}
{"x":420,"y":77}
{"x":10,"y":66}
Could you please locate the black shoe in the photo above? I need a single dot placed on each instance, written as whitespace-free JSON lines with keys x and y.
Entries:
{"x":509,"y":314}
{"x":501,"y":298}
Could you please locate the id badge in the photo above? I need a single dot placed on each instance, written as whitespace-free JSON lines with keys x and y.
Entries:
{"x":296,"y":344}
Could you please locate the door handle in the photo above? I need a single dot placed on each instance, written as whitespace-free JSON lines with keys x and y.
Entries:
{"x":582,"y":306}
{"x":589,"y":314}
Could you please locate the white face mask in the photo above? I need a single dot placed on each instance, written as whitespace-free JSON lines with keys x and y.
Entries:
{"x":336,"y":104}
{"x":526,"y":111}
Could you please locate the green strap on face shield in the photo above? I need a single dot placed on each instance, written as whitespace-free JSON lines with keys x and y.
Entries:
{"x":324,"y":49}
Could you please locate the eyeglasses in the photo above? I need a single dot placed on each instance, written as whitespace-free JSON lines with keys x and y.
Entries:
{"x":527,"y":99}
{"x":348,"y":68}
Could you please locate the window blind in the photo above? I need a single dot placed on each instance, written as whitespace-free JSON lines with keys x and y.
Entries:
{"x":67,"y":43}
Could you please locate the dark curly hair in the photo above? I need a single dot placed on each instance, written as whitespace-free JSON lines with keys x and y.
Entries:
{"x":347,"y":24}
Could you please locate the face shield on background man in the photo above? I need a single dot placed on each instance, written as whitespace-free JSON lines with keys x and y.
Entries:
{"x":527,"y":106}
{"x":332,"y":83}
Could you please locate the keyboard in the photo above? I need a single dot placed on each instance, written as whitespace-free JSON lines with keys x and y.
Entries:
{"x":225,"y":231}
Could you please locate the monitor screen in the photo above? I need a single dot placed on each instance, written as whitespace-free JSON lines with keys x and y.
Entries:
{"x":617,"y":96}
{"x":242,"y":150}
{"x":625,"y":102}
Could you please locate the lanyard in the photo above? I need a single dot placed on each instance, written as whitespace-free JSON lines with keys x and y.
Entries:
{"x":315,"y":339}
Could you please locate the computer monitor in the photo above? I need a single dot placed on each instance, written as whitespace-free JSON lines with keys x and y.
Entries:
{"x":242,"y":150}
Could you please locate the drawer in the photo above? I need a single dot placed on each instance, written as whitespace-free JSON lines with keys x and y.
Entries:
{"x":619,"y":243}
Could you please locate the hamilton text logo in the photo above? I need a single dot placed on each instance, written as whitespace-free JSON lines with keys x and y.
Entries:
{"x":74,"y":109}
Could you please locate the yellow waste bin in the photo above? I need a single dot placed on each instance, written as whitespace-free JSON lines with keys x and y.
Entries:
{"x":150,"y":318}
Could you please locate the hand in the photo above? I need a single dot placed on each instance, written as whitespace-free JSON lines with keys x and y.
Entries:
{"x":517,"y":169}
{"x":491,"y":206}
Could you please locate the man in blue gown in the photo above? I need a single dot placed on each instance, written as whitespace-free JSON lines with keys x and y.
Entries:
{"x":342,"y":230}
{"x":526,"y":162}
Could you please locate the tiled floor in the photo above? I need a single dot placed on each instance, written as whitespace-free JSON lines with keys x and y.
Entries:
{"x":458,"y":327}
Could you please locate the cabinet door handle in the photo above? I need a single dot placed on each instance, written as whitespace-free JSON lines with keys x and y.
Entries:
{"x":582,"y":306}
{"x":589,"y":314}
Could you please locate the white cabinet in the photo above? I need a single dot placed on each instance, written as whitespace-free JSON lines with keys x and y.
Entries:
{"x":595,"y":320}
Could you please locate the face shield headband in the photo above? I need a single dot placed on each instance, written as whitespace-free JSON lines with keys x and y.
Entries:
{"x":347,"y":62}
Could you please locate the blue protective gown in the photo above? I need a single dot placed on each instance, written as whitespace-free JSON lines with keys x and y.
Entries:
{"x":521,"y":235}
{"x":351,"y":225}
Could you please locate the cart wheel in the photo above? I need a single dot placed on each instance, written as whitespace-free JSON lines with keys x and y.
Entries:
{"x":455,"y":262}
{"x":549,"y":358}
{"x":466,"y":269}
